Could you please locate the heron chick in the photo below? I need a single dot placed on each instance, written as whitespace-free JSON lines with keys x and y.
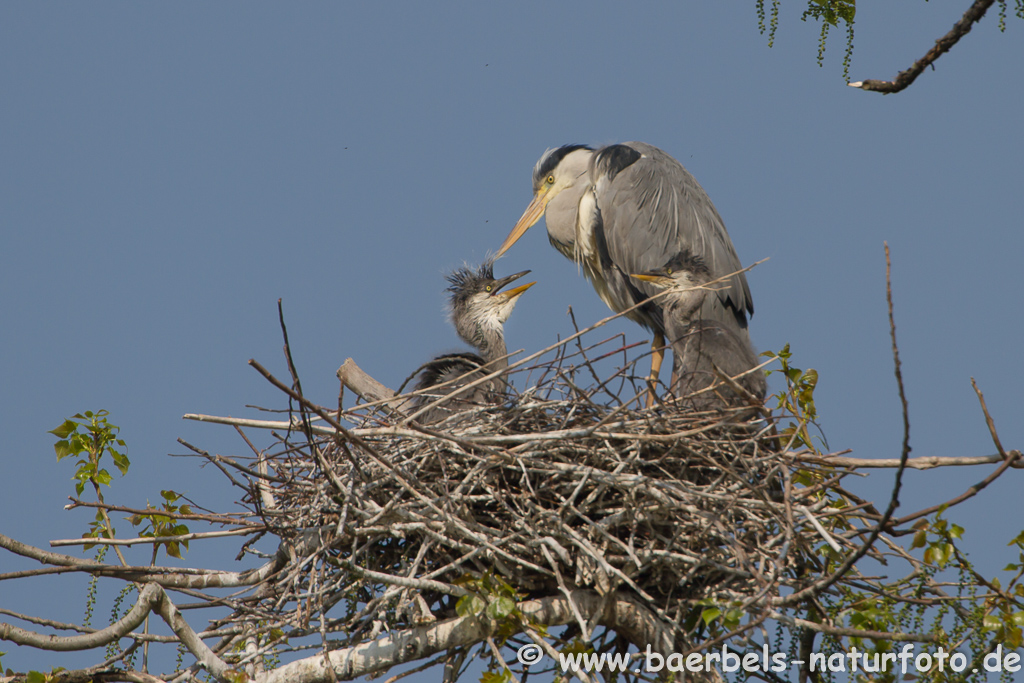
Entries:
{"x":625,"y":209}
{"x":479,"y":308}
{"x":700,"y":345}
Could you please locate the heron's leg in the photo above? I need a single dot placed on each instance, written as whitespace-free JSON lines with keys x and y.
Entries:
{"x":657,"y":355}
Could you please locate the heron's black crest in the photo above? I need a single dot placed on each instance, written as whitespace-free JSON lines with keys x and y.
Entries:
{"x":688,"y":261}
{"x":550,"y":160}
{"x":465,"y":281}
{"x":610,"y":160}
{"x":465,"y":277}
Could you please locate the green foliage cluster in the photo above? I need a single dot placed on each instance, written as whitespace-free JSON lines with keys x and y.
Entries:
{"x":829,"y":12}
{"x":89,"y":436}
{"x":1018,"y":10}
{"x":718,"y":618}
{"x":491,"y":595}
{"x":162,"y":525}
{"x":834,"y":14}
{"x":964,"y":620}
{"x":92,"y":439}
{"x":797,"y":399}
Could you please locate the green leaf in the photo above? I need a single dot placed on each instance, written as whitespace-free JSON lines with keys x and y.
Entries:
{"x":710,"y":614}
{"x":991,"y":622}
{"x":35,"y":677}
{"x":470,"y":605}
{"x":103,"y":477}
{"x":236,"y":676}
{"x":63,"y":449}
{"x":494,"y":676}
{"x":78,"y":443}
{"x":66,"y":428}
{"x":1013,"y":637}
{"x":501,"y":608}
{"x":121,"y":461}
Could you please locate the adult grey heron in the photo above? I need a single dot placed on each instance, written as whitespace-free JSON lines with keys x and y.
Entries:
{"x":700,"y":345}
{"x":628,"y":208}
{"x":479,"y":308}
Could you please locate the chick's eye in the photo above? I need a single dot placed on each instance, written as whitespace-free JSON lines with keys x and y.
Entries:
{"x":550,"y":180}
{"x":668,"y":271}
{"x":488,"y":288}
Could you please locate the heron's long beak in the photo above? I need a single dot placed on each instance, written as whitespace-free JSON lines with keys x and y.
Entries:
{"x":532,"y":214}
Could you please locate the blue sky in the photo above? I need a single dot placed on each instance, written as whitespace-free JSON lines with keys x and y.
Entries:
{"x":170,"y":171}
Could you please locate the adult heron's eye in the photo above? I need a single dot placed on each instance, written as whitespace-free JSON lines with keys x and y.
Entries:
{"x":551,"y":180}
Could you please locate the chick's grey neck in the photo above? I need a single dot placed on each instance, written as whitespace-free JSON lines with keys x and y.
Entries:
{"x":486,"y":335}
{"x":684,"y":305}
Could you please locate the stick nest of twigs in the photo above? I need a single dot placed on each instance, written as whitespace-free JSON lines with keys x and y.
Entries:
{"x":556,"y":490}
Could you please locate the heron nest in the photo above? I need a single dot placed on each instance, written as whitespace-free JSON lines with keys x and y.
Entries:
{"x":571,"y":485}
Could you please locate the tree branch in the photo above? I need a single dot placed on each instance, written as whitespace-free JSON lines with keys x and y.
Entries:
{"x":169,"y":577}
{"x":961,"y":28}
{"x":155,"y":539}
{"x":618,"y":612}
{"x":122,"y":627}
{"x":922,"y":463}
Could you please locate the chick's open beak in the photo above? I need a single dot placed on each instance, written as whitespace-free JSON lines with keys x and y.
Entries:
{"x":508,"y":279}
{"x":514,"y":293}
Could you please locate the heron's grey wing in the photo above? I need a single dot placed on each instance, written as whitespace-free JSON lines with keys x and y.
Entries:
{"x":733,"y":355}
{"x":461,"y":367}
{"x":651,"y":209}
{"x":706,"y":344}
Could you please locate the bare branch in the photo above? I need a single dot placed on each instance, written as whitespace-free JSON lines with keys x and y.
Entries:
{"x":424,"y":641}
{"x":143,"y":540}
{"x":961,"y":28}
{"x":856,"y":632}
{"x":922,"y":463}
{"x":168,"y":577}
